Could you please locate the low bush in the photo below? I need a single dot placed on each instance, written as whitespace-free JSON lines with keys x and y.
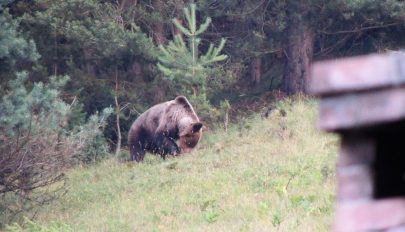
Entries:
{"x":36,"y":145}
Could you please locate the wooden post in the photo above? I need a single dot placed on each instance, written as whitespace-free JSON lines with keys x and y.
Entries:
{"x":363,"y":100}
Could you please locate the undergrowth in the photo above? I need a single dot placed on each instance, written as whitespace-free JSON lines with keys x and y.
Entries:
{"x":272,"y":173}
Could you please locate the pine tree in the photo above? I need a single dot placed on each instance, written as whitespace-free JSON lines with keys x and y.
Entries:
{"x":15,"y":50}
{"x":181,"y":62}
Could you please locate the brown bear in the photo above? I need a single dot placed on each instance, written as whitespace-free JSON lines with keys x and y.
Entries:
{"x":159,"y":128}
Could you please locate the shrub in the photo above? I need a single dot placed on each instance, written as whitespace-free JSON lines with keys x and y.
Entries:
{"x":36,"y":145}
{"x":95,"y":145}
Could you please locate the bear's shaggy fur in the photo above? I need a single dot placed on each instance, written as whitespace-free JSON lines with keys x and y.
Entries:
{"x":159,"y":128}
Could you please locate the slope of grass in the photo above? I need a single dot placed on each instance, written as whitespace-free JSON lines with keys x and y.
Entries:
{"x":264,"y":174}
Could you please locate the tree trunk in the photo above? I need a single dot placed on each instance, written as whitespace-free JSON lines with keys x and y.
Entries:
{"x":90,"y":67}
{"x":159,"y":34}
{"x":178,"y":11}
{"x":123,"y":4}
{"x":55,"y":64}
{"x":117,"y":113}
{"x":298,"y":51}
{"x":256,"y":71}
{"x":160,"y":94}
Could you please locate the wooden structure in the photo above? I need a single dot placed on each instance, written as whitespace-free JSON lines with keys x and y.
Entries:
{"x":363,"y":100}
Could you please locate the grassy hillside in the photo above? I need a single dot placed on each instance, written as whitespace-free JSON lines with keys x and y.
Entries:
{"x":264,"y":174}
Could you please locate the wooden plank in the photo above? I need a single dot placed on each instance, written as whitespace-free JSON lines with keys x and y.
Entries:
{"x":379,"y":215}
{"x":357,"y":73}
{"x":354,"y":110}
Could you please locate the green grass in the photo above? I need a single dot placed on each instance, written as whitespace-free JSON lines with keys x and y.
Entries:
{"x":264,"y":174}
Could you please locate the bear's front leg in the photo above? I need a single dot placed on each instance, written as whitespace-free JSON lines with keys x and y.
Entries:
{"x":137,"y":152}
{"x":171,"y":147}
{"x":166,"y":145}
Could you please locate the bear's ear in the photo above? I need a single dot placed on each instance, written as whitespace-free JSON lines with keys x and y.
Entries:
{"x":182,"y":100}
{"x":196,"y":127}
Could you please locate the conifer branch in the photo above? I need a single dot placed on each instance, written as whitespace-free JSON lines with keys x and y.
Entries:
{"x":181,"y":61}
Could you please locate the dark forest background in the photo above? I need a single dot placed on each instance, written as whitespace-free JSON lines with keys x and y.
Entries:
{"x":109,"y":49}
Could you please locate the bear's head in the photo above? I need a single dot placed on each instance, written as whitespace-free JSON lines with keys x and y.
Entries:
{"x":189,"y":127}
{"x":190,"y":136}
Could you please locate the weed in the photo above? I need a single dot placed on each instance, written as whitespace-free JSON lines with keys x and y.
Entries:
{"x":277,"y":219}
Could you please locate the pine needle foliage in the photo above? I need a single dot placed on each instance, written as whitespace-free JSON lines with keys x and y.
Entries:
{"x":37,"y":146}
{"x":181,"y":61}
